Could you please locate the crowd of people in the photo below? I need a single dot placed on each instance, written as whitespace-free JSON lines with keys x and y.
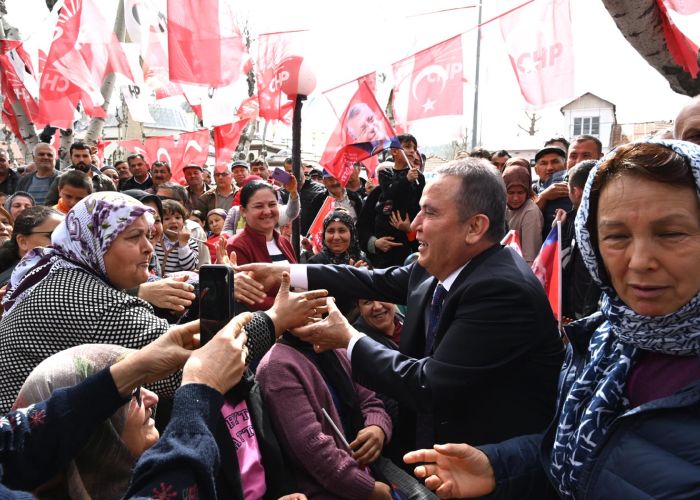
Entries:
{"x":405,"y":353}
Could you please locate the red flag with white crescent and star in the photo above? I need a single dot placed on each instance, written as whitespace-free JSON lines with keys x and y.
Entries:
{"x":430,"y":83}
{"x":540,"y":46}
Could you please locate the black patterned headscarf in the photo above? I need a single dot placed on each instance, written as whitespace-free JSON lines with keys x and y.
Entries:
{"x":353,"y":252}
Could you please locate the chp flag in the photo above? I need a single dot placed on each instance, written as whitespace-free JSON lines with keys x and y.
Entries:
{"x":539,"y":41}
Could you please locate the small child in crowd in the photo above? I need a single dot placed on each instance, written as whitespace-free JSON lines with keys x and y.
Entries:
{"x":176,"y":251}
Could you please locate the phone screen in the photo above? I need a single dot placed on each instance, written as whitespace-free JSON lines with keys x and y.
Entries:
{"x":215,"y":299}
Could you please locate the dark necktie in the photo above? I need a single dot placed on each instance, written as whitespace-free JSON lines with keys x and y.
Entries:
{"x":434,"y":318}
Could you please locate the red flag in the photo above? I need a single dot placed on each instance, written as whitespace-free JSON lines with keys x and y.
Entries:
{"x":249,"y":108}
{"x":162,"y":148}
{"x":84,"y":51}
{"x":547,"y":268}
{"x":430,"y":83}
{"x":276,"y":64}
{"x":362,"y":124}
{"x":539,"y":42}
{"x":135,"y":146}
{"x":226,"y":139}
{"x":9,"y":119}
{"x":315,"y":234}
{"x":15,"y":69}
{"x":205,"y":46}
{"x":194,"y":147}
{"x":680,"y":20}
{"x":512,"y":240}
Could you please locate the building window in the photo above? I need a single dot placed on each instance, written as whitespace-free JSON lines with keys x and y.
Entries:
{"x":587,"y":125}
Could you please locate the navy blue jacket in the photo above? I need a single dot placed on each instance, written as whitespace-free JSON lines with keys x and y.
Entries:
{"x":651,"y":451}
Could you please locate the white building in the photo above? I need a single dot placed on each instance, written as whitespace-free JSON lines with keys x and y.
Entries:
{"x":591,"y":115}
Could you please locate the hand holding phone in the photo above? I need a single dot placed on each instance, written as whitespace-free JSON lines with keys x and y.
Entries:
{"x":281,"y":175}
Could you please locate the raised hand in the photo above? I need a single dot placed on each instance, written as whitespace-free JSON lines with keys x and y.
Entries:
{"x":294,"y":309}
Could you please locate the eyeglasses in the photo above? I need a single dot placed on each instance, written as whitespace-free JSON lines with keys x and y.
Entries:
{"x":221,"y":174}
{"x":137,"y":395}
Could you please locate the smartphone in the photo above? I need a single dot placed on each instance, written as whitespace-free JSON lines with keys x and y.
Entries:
{"x":216,"y":305}
{"x":281,"y":175}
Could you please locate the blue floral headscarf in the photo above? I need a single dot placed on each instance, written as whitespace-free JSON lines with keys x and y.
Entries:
{"x":80,"y":241}
{"x":597,"y":397}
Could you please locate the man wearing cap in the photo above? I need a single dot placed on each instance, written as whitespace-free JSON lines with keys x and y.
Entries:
{"x":345,"y":199}
{"x":240,"y":170}
{"x":221,"y":196}
{"x":195,"y":186}
{"x":551,"y":188}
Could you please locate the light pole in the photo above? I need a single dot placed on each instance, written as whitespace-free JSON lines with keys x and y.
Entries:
{"x":298,"y":88}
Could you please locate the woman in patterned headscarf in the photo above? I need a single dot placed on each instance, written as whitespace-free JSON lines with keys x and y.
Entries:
{"x":71,"y":293}
{"x":103,"y":467}
{"x":628,"y":420}
{"x":340,"y":243}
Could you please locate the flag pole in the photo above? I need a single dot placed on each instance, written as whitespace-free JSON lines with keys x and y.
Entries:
{"x":475,"y":120}
{"x":559,"y":276}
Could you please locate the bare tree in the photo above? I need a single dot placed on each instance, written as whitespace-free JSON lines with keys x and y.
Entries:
{"x":94,"y":130}
{"x":641,"y":25}
{"x":531,"y":129}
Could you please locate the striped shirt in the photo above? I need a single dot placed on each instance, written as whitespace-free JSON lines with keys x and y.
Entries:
{"x":178,"y":258}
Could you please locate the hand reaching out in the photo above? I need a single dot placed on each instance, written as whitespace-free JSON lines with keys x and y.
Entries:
{"x":454,"y":470}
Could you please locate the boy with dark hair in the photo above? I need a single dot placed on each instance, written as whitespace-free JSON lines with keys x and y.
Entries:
{"x":389,"y":241}
{"x":73,"y":186}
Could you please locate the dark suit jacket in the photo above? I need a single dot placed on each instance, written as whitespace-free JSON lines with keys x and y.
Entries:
{"x":497,"y":354}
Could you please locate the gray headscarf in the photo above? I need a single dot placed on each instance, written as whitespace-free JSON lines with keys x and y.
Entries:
{"x":103,"y":468}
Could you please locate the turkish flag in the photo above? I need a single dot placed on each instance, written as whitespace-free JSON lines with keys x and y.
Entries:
{"x":277,"y":63}
{"x":362,"y":131}
{"x":431,"y":82}
{"x":162,"y":148}
{"x":540,"y":46}
{"x":226,"y":139}
{"x":194,"y":147}
{"x":680,"y":20}
{"x":135,"y":146}
{"x":205,"y":46}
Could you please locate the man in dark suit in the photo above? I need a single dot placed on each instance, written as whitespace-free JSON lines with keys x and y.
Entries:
{"x":479,"y":354}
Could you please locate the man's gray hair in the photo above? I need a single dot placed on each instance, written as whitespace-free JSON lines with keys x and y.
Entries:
{"x":482,"y":192}
{"x":39,"y":144}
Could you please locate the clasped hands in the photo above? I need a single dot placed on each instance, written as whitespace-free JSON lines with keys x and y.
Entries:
{"x":331,"y":332}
